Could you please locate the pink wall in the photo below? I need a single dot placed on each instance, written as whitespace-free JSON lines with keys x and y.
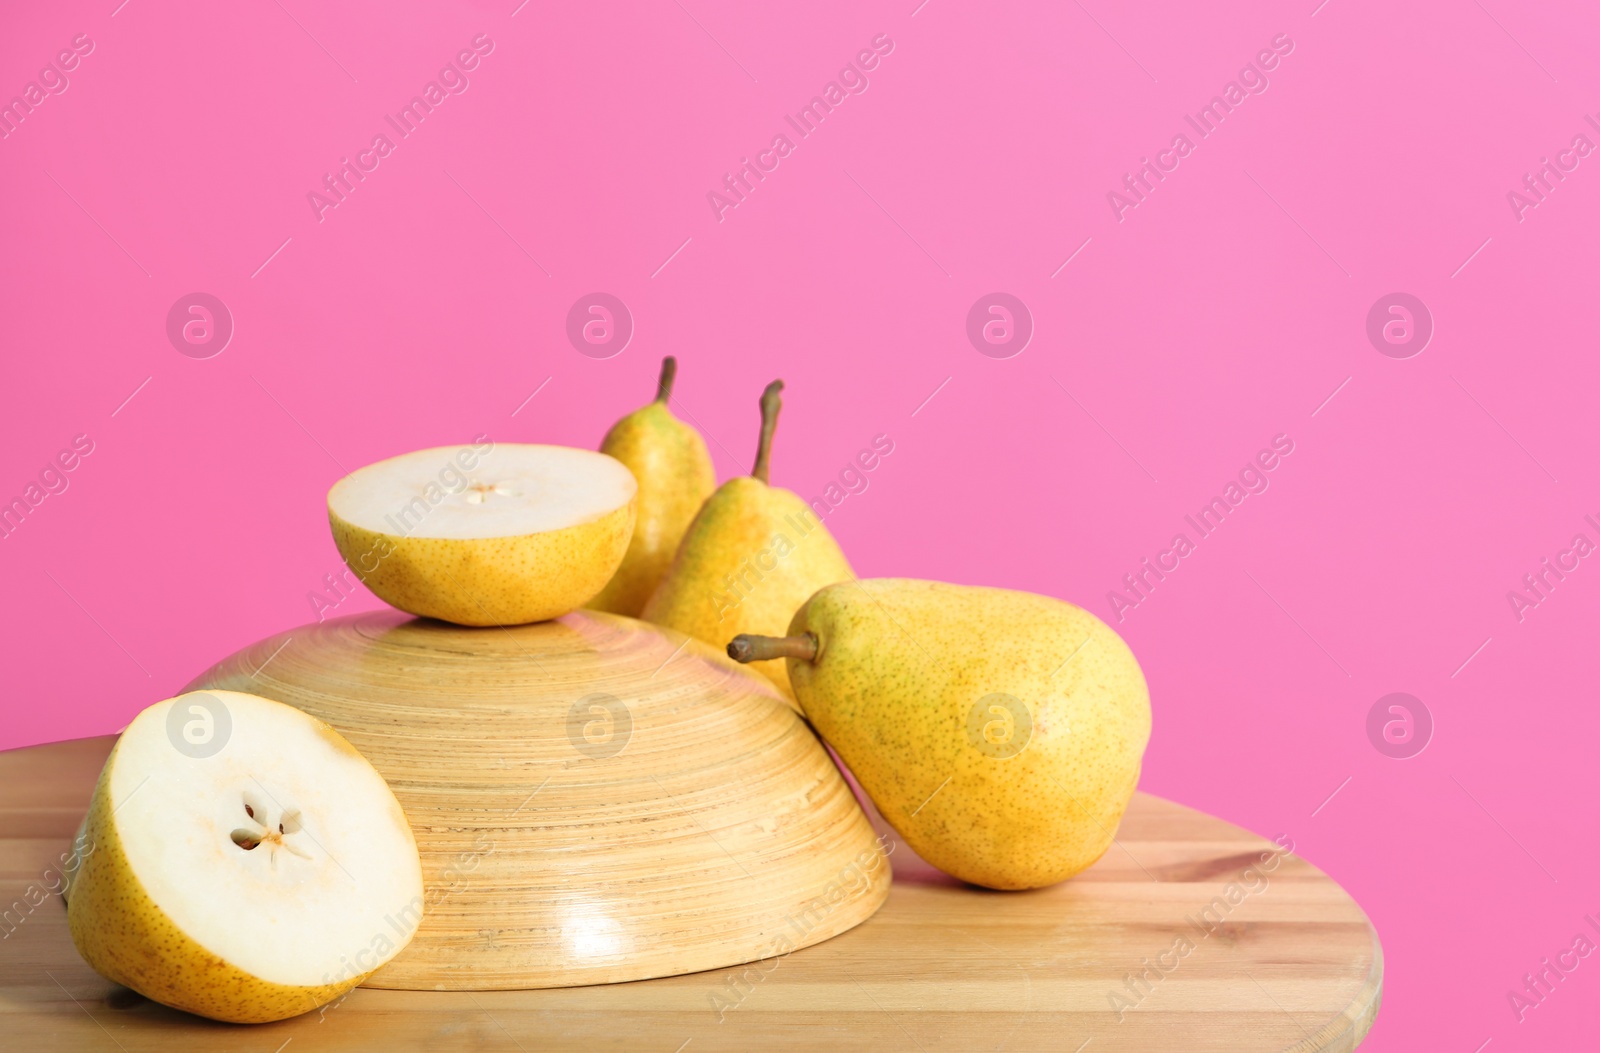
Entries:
{"x":1227,"y":308}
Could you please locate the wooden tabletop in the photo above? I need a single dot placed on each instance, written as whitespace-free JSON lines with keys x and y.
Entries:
{"x":1190,"y":935}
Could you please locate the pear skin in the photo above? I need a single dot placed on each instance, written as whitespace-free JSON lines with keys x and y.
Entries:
{"x":751,"y":557}
{"x":673,"y":468}
{"x":1001,"y":733}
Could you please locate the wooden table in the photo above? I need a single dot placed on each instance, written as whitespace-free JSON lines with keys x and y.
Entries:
{"x":1291,"y":964}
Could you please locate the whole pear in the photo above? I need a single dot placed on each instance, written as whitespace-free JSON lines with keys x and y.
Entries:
{"x":1000,"y":732}
{"x":752,"y":556}
{"x":673,"y":468}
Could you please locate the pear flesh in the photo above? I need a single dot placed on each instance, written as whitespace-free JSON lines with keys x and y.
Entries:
{"x":669,"y":460}
{"x":489,"y":534}
{"x":241,"y":861}
{"x":1001,"y":733}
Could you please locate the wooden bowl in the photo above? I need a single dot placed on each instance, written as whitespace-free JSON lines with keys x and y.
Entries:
{"x":595,"y":799}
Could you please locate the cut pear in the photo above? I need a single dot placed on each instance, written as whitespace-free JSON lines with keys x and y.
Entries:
{"x":489,"y":534}
{"x":241,"y":861}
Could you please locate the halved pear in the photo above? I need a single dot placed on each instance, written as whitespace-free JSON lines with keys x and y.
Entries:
{"x":241,"y":861}
{"x":488,"y":534}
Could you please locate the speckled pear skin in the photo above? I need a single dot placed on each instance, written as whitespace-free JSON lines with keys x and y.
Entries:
{"x":669,"y":460}
{"x":752,"y":556}
{"x":126,"y":938}
{"x":893,"y":688}
{"x":489,"y":581}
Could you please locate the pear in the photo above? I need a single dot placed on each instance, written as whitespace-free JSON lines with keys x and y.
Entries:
{"x":999,"y":732}
{"x":486,"y":534}
{"x":670,"y":462}
{"x":241,"y":861}
{"x":752,"y":556}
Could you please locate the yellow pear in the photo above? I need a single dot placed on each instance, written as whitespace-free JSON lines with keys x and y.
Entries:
{"x":751,"y":557}
{"x":670,"y":462}
{"x":241,"y":861}
{"x":999,"y":732}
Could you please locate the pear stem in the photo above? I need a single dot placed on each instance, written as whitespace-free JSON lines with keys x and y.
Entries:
{"x":770,"y":405}
{"x":669,"y":373}
{"x":748,"y":648}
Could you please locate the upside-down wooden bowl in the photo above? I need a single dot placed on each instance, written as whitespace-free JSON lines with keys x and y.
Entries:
{"x":595,"y":799}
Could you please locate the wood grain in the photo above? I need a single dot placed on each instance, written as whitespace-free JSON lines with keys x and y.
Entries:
{"x":595,"y":799}
{"x":941,"y":967}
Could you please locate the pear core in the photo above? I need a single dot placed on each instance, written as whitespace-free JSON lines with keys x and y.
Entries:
{"x":489,"y":534}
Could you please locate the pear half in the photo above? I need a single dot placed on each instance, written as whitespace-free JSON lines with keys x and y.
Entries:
{"x":241,"y":861}
{"x":486,"y":534}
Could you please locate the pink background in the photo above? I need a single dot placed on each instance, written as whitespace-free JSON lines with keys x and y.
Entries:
{"x":1221,"y":312}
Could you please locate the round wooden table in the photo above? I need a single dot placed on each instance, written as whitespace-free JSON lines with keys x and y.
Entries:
{"x":1190,"y":935}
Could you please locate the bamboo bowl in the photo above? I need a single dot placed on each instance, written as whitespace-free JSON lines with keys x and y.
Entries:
{"x":595,"y":799}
